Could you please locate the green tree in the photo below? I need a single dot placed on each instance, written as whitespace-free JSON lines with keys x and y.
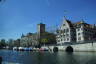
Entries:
{"x":17,"y":43}
{"x":47,"y":38}
{"x":2,"y":43}
{"x":10,"y":42}
{"x":44,"y":40}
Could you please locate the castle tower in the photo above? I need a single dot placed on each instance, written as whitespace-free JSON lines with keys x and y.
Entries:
{"x":41,"y":29}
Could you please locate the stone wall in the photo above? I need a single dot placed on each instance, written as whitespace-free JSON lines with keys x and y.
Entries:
{"x":77,"y":47}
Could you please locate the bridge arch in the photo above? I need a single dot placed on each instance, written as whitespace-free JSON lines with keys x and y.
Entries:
{"x":55,"y":49}
{"x":69,"y":49}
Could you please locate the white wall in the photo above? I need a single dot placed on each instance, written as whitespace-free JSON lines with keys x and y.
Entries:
{"x":79,"y":47}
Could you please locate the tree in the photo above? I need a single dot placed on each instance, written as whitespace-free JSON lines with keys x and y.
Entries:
{"x":2,"y":43}
{"x":10,"y":42}
{"x":44,"y":40}
{"x":47,"y":38}
{"x":17,"y":43}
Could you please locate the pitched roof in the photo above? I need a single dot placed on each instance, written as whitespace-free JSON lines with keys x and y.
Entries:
{"x":70,"y":24}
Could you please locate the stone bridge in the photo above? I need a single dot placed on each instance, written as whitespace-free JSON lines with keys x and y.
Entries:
{"x":73,"y":47}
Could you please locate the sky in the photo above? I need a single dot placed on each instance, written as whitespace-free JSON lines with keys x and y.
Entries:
{"x":22,"y":16}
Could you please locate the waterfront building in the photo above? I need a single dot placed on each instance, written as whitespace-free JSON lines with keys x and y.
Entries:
{"x":75,"y":32}
{"x":31,"y":39}
{"x":66,"y":32}
{"x":85,"y":32}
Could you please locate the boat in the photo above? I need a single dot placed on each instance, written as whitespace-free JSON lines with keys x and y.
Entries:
{"x":21,"y":48}
{"x":15,"y":48}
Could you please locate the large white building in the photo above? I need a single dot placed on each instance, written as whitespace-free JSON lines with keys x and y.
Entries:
{"x":75,"y":32}
{"x":85,"y":32}
{"x":66,"y":32}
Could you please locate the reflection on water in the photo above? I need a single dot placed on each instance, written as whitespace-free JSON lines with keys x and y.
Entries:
{"x":26,"y":57}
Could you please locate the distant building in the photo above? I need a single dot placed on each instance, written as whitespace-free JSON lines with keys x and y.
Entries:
{"x":75,"y":32}
{"x":31,"y":39}
{"x":44,"y":35}
{"x":41,"y":30}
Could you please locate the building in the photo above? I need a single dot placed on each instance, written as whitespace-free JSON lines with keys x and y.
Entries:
{"x":75,"y":32}
{"x":66,"y":32}
{"x":40,"y":29}
{"x":31,"y":39}
{"x":85,"y":32}
{"x":44,"y":35}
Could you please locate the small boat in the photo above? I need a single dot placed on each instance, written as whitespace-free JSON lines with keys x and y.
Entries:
{"x":21,"y":48}
{"x":15,"y":48}
{"x":43,"y":49}
{"x":30,"y":49}
{"x":27,"y":49}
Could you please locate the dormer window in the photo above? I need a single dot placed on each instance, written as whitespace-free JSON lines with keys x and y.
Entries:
{"x":63,"y":24}
{"x":67,"y":30}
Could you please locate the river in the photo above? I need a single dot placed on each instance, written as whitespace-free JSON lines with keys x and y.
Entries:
{"x":29,"y":57}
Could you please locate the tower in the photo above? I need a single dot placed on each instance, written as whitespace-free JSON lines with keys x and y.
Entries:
{"x":41,"y":29}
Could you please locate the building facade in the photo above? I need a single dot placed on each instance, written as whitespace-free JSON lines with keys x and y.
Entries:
{"x":85,"y":32}
{"x":75,"y":32}
{"x":66,"y":32}
{"x":31,"y":39}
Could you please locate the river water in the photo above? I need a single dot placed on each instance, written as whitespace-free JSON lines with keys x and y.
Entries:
{"x":29,"y":57}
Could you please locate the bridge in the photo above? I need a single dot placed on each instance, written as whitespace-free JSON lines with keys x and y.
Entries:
{"x":88,"y":47}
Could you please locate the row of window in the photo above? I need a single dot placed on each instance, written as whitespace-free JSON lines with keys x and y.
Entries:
{"x":79,"y":29}
{"x":67,"y":39}
{"x":64,"y":40}
{"x":63,"y":31}
{"x":67,"y":35}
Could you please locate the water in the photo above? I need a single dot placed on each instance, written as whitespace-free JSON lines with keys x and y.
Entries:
{"x":26,"y":57}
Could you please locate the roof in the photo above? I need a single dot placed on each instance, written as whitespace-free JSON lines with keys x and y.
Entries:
{"x":86,"y":25}
{"x":70,"y":24}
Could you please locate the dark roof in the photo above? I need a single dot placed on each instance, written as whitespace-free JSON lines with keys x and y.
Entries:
{"x":86,"y":25}
{"x":70,"y":24}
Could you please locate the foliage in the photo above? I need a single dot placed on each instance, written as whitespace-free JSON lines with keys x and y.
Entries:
{"x":17,"y":43}
{"x":2,"y":43}
{"x":10,"y":42}
{"x":47,"y":38}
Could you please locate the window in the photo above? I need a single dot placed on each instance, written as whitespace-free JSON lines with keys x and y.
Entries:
{"x":79,"y":38}
{"x":61,"y":39}
{"x":78,"y":29}
{"x":67,"y":30}
{"x":81,"y":28}
{"x":64,"y":30}
{"x":63,"y":24}
{"x":67,"y":39}
{"x":67,"y":34}
{"x":78,"y":33}
{"x":63,"y":35}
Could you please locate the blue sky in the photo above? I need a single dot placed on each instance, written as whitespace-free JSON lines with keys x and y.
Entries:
{"x":22,"y":16}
